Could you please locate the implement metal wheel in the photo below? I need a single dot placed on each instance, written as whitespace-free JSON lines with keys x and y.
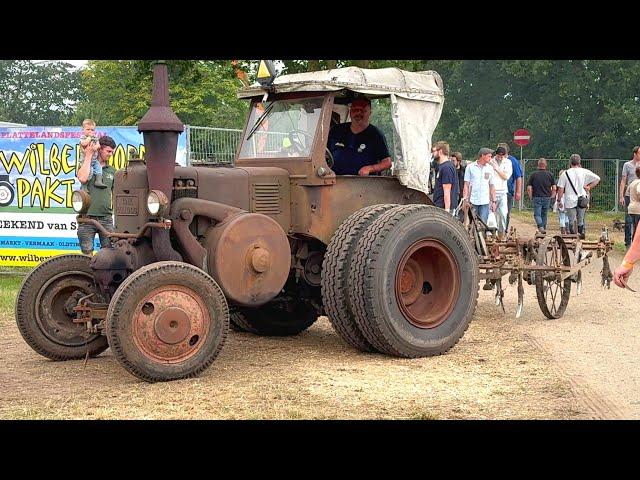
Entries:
{"x":44,"y":309}
{"x":166,"y":321}
{"x":552,"y":292}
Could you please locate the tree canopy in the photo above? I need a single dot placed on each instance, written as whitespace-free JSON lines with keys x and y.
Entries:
{"x":44,"y":93}
{"x":202,"y":92}
{"x":583,"y":106}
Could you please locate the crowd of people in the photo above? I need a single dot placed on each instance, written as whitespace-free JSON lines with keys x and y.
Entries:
{"x":492,"y":183}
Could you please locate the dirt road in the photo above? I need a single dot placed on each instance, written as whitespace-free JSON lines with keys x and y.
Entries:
{"x":580,"y":367}
{"x":595,"y":345}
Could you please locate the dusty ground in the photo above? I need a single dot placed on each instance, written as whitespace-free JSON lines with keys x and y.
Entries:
{"x":580,"y":367}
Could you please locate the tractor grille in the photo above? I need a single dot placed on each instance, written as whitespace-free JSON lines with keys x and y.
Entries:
{"x":181,"y":192}
{"x":266,"y":198}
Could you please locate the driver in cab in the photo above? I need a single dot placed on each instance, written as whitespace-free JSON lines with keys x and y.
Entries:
{"x":358,"y":148}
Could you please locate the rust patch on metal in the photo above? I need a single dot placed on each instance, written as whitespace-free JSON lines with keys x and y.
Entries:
{"x":249,"y":257}
{"x":170,"y":324}
{"x":427,"y":283}
{"x":54,"y":307}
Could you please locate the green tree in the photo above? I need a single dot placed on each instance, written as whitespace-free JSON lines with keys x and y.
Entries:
{"x":38,"y":93}
{"x":202,"y":93}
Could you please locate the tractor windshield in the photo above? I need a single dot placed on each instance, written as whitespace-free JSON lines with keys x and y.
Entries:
{"x":282,"y":128}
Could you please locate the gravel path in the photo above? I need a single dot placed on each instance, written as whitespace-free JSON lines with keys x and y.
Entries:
{"x":595,"y":345}
{"x":583,"y":366}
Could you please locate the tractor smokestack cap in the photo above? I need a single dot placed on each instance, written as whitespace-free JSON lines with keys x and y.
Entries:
{"x":160,"y":117}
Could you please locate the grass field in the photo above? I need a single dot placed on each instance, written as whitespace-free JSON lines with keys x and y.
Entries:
{"x":9,"y":285}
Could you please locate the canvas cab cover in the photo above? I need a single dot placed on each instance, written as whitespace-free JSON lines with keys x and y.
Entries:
{"x":417,"y":100}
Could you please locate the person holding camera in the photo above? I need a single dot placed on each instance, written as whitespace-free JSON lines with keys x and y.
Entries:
{"x":574,"y":186}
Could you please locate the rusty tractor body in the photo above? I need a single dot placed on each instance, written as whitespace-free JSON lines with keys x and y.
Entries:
{"x":265,"y":246}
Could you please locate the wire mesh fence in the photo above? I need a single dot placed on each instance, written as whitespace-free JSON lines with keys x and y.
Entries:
{"x":604,"y":197}
{"x":211,"y":145}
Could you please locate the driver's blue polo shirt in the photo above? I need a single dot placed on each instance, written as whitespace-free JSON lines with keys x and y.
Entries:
{"x":352,"y":151}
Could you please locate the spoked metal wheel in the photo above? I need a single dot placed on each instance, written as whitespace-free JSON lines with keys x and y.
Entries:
{"x":553,"y":293}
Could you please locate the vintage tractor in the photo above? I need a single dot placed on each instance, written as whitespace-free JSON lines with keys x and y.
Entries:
{"x":267,"y":245}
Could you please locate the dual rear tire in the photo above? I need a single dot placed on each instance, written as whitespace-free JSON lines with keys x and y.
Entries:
{"x":411,"y":282}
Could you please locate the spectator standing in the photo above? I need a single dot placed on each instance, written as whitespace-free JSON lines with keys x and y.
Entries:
{"x":479,"y":189}
{"x":101,"y":208}
{"x":625,"y":269}
{"x":628,"y":176}
{"x":445,"y":193}
{"x":540,"y":188}
{"x":433,"y":169}
{"x":460,"y":168}
{"x":575,"y":182}
{"x":634,"y":204}
{"x":514,"y":184}
{"x":563,"y":220}
{"x":503,"y":170}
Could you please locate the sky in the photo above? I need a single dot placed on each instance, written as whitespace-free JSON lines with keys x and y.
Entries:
{"x":76,"y":63}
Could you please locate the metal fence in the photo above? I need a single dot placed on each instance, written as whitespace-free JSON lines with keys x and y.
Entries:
{"x":604,"y":196}
{"x":211,"y":145}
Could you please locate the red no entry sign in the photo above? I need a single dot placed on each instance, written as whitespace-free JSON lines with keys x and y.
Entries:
{"x":521,"y":137}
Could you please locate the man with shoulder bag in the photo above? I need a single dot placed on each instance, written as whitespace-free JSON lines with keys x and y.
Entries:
{"x":574,"y":186}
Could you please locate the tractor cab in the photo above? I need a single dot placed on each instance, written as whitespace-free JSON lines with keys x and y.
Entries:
{"x":290,"y":119}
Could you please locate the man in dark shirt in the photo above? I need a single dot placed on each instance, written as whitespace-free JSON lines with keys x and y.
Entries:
{"x":540,"y":188}
{"x":358,"y":148}
{"x":456,"y":158}
{"x":446,"y":192}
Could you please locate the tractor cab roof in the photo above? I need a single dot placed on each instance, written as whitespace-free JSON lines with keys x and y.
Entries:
{"x":422,"y":86}
{"x":417,"y":99}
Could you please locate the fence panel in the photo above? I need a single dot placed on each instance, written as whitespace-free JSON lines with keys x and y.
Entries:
{"x":604,"y":195}
{"x":212,"y":145}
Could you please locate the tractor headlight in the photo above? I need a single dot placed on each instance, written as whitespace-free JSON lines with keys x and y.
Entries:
{"x":81,"y":201}
{"x":157,"y":203}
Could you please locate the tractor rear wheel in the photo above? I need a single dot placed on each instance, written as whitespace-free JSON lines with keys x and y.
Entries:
{"x":414,"y":281}
{"x":335,"y":272}
{"x":277,"y":318}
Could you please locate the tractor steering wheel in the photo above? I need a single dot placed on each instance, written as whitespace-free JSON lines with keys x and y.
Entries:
{"x":328,"y":157}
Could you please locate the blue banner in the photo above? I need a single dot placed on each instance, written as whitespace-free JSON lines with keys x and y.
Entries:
{"x":38,"y":168}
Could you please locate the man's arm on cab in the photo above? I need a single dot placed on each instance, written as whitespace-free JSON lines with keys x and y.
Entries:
{"x":383,"y":164}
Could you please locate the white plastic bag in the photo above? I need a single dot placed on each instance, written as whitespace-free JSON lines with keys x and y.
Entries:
{"x":491,"y":220}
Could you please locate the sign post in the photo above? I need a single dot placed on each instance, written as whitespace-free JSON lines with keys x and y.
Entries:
{"x":521,"y":137}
